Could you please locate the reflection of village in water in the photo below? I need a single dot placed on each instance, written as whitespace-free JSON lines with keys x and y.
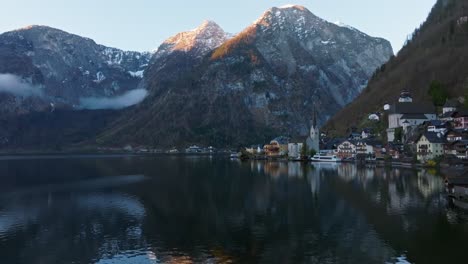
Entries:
{"x":199,"y":210}
{"x":398,"y":181}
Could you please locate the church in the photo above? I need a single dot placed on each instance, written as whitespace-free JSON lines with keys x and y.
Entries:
{"x":313,"y":140}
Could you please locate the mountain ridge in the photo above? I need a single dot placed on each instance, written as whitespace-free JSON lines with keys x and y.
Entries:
{"x":66,"y":67}
{"x":286,"y":58}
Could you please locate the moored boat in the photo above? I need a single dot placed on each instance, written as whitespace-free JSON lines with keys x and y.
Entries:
{"x":325,"y":158}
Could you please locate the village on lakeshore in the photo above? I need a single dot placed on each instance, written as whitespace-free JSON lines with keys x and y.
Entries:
{"x":417,"y":133}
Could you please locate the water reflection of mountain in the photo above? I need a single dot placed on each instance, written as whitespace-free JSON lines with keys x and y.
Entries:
{"x":213,"y":210}
{"x":67,"y":228}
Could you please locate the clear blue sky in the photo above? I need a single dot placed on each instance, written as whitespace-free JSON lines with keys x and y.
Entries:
{"x":143,"y":24}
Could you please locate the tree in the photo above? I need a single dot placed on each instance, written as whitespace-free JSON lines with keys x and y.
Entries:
{"x":438,"y":93}
{"x":304,"y":149}
{"x":465,"y":96}
{"x":398,"y":134}
{"x":312,"y":152}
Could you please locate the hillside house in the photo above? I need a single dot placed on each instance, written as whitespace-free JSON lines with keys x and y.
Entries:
{"x":457,"y":148}
{"x":450,"y":106}
{"x":405,"y":97}
{"x":456,"y":134}
{"x":367,"y":133}
{"x":436,"y":126}
{"x":429,"y":146}
{"x":460,"y":119}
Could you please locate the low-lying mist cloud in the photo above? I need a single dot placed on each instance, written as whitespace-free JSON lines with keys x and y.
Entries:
{"x":13,"y":84}
{"x":130,"y":98}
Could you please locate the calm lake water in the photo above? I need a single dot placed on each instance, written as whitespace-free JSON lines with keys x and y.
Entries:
{"x":213,"y":210}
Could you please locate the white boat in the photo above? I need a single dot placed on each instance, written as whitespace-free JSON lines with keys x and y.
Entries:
{"x":325,"y":158}
{"x":234,"y":155}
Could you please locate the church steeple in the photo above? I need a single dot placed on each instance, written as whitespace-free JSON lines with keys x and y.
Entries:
{"x":314,"y":120}
{"x":314,"y":136}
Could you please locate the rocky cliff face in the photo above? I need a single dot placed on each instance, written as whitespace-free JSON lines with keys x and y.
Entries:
{"x":44,"y":67}
{"x":266,"y":80}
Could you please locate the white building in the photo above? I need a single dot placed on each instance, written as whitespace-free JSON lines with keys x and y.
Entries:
{"x":450,"y":106}
{"x":346,"y":149}
{"x":362,"y":148}
{"x":405,"y":97}
{"x":408,"y":114}
{"x":295,"y":150}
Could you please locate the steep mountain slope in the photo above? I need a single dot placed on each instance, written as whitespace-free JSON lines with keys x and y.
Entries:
{"x":438,"y":51}
{"x":266,"y":80}
{"x":43,"y":65}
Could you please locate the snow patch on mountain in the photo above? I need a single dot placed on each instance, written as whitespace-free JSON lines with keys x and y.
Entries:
{"x":100,"y":77}
{"x":200,"y":40}
{"x":137,"y":74}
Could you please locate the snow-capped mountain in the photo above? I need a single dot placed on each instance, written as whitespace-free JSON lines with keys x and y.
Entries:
{"x":197,"y":42}
{"x":180,"y":53}
{"x":266,"y":80}
{"x":65,"y":68}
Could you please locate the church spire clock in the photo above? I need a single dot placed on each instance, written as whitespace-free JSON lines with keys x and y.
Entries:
{"x":314,"y":136}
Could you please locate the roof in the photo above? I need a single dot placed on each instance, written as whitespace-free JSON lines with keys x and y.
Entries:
{"x":412,"y":108}
{"x":463,"y":141}
{"x":413,"y":116}
{"x":435,"y":123}
{"x":351,"y":141}
{"x":447,"y":114}
{"x":435,"y":138}
{"x":452,"y":103}
{"x":460,"y":132}
{"x":461,"y":113}
{"x":370,"y":142}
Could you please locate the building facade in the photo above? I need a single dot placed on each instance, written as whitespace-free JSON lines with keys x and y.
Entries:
{"x":461,"y":119}
{"x":346,"y":149}
{"x":295,"y":150}
{"x":430,"y":146}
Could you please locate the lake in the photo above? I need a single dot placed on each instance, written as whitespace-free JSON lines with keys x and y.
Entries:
{"x":175,"y":209}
